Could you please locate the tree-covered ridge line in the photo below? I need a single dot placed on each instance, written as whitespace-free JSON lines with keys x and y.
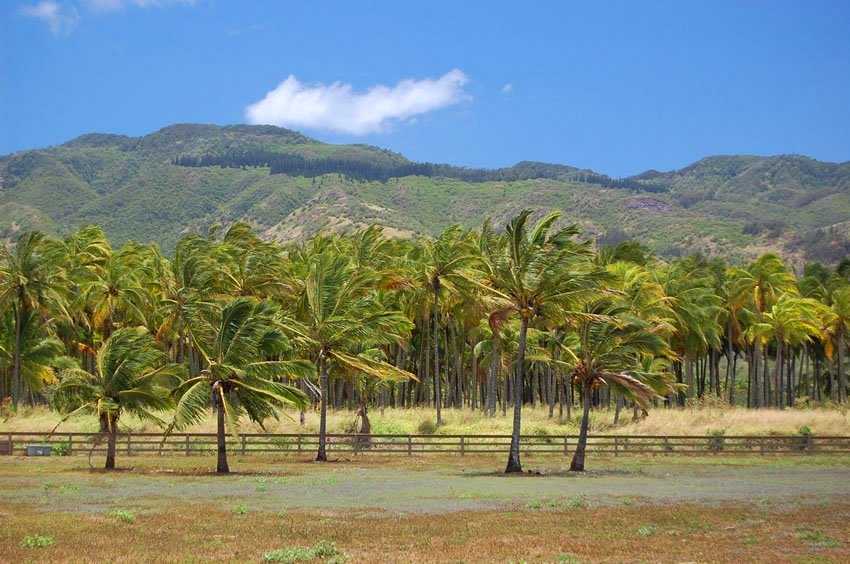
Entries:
{"x":368,"y":170}
{"x":734,"y":207}
{"x":480,"y":319}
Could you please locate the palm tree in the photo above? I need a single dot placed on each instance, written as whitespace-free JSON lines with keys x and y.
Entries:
{"x":115,"y":290}
{"x":39,"y":354}
{"x":235,"y":340}
{"x":130,"y":377}
{"x":543,"y":275}
{"x":336,"y":312}
{"x":791,"y":320}
{"x":31,"y":279}
{"x":761,"y":284}
{"x":618,"y":350}
{"x":838,"y":324}
{"x":444,"y":267}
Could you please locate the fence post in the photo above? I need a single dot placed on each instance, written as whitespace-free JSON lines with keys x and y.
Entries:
{"x":299,"y":442}
{"x":462,"y":449}
{"x":566,"y":446}
{"x":616,"y":447}
{"x":761,"y":445}
{"x":70,"y":444}
{"x":409,"y":445}
{"x":128,"y":443}
{"x":243,"y":443}
{"x":187,"y":444}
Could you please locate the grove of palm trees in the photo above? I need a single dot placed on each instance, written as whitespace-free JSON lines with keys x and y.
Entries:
{"x":489,"y":320}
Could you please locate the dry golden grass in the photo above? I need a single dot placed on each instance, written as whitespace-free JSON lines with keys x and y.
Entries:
{"x":670,"y":533}
{"x":688,"y":421}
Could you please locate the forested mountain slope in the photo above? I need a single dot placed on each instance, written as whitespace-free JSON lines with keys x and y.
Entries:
{"x":186,"y":177}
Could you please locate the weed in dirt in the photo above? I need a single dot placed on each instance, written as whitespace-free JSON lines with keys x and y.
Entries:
{"x":323,"y":550}
{"x":647,"y":531}
{"x":240,"y":509}
{"x":37,"y":541}
{"x":578,"y":502}
{"x":628,"y":501}
{"x":567,"y":558}
{"x":123,"y":515}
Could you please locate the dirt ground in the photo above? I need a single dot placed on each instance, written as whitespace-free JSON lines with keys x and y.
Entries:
{"x":432,"y":508}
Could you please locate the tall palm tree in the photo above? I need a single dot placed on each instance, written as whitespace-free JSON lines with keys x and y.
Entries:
{"x":336,"y":315}
{"x":542,"y":275}
{"x":617,"y":349}
{"x":445,"y":267}
{"x":130,"y":377}
{"x":115,"y":290}
{"x":761,"y":284}
{"x":790,"y":320}
{"x":838,"y":325}
{"x":39,"y":354}
{"x":31,"y":280}
{"x":235,"y":340}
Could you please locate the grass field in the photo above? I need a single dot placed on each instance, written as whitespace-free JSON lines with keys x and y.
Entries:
{"x":690,"y":421}
{"x":431,"y":509}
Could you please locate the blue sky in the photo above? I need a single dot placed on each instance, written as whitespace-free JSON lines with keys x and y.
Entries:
{"x":618,"y":87}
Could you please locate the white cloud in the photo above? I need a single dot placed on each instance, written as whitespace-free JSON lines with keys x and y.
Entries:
{"x":118,"y":5}
{"x":338,"y":107}
{"x":61,"y":18}
{"x":506,"y":89}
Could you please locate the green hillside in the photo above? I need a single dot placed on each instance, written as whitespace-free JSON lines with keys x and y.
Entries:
{"x":157,"y":188}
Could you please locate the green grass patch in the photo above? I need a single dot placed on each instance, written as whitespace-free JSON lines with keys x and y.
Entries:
{"x":37,"y":541}
{"x":323,"y":550}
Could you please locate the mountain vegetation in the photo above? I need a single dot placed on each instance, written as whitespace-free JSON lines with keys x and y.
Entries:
{"x":185,"y":178}
{"x":485,"y":319}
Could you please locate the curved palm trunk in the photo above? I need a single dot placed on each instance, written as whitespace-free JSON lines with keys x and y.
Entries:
{"x":578,"y":458}
{"x":322,"y":455}
{"x":513,"y":458}
{"x":221,"y":466}
{"x":438,"y":392}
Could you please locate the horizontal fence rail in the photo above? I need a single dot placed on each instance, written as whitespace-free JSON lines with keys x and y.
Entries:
{"x":189,"y":444}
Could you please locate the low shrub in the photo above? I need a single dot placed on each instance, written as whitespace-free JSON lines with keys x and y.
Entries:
{"x":323,"y":550}
{"x":427,"y":427}
{"x":37,"y":541}
{"x":717,"y":440}
{"x":805,"y":439}
{"x":123,"y":515}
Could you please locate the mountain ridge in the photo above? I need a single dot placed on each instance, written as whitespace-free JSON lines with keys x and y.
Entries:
{"x":184,"y":177}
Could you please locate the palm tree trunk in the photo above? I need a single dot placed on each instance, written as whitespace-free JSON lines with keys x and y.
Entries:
{"x":618,"y":409}
{"x":513,"y":458}
{"x":221,"y":467}
{"x":756,"y":391}
{"x":437,"y":378}
{"x":842,"y":381}
{"x":494,"y":371}
{"x":16,"y":360}
{"x":730,"y":372}
{"x":578,"y":458}
{"x":779,"y":363}
{"x":110,"y":449}
{"x":322,"y":455}
{"x":473,"y":381}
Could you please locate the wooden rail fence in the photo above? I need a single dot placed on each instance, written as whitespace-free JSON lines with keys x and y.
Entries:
{"x":189,"y":444}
